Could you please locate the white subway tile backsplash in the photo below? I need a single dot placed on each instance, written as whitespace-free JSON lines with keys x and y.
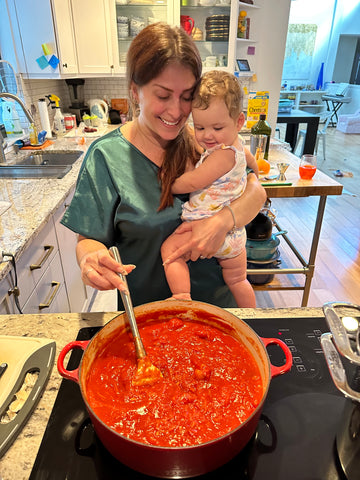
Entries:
{"x":32,"y":90}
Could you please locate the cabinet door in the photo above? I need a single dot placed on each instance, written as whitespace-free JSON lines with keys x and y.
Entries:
{"x":49,"y":295}
{"x":134,"y":16}
{"x":6,"y":304}
{"x":92,"y":29}
{"x":35,"y":260}
{"x":35,"y":28}
{"x":65,"y":35}
{"x":214,"y":31}
{"x":67,"y":240}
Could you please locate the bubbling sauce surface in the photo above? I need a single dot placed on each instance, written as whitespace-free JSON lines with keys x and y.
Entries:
{"x":210,"y":385}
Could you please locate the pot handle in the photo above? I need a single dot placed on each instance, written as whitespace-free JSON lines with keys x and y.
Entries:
{"x":275,"y":371}
{"x":70,"y":374}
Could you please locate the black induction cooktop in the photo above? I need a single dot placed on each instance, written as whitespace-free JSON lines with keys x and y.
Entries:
{"x":295,"y":438}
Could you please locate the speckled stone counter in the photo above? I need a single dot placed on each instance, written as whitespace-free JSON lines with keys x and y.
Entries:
{"x":34,"y":200}
{"x":17,"y":463}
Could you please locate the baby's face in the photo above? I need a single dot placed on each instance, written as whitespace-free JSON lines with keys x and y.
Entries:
{"x":214,"y":126}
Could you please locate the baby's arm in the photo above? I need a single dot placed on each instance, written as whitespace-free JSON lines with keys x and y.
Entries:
{"x":214,"y":166}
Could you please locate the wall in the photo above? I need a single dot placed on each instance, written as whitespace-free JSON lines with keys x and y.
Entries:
{"x":271,"y":29}
{"x":346,"y":23}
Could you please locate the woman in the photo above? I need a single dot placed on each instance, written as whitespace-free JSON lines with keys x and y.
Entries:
{"x":118,"y":191}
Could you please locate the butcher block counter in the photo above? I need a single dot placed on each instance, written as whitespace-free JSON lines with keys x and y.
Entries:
{"x":17,"y":462}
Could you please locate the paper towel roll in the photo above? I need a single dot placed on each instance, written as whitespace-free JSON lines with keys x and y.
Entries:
{"x":44,"y":117}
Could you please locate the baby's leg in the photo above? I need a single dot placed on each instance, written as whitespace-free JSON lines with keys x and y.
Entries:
{"x":234,"y":273}
{"x":177,"y":272}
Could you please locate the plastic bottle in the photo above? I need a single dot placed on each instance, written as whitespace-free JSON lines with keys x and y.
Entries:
{"x":16,"y":120}
{"x":59,"y":121}
{"x":241,"y":32}
{"x":261,"y":128}
{"x":7,"y":117}
{"x":33,"y":134}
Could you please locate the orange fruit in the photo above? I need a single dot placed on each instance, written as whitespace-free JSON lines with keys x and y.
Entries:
{"x":264,"y":166}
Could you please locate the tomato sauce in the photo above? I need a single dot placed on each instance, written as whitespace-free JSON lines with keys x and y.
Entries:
{"x":210,"y":384}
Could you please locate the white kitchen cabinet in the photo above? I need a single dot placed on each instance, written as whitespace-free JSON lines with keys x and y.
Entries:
{"x":80,"y":33}
{"x":49,"y":295}
{"x":131,"y":18}
{"x":77,"y":293}
{"x":86,"y":36}
{"x":35,"y":260}
{"x":31,"y":27}
{"x":6,"y":306}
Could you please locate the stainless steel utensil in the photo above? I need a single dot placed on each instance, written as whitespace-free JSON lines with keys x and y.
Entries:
{"x":147,"y":372}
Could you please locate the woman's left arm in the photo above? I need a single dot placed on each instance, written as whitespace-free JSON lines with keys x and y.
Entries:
{"x":209,"y":233}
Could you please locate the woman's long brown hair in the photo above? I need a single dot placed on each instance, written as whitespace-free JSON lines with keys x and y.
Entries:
{"x":154,"y":48}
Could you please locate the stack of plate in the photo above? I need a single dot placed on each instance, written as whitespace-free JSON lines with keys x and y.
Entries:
{"x":217,"y":28}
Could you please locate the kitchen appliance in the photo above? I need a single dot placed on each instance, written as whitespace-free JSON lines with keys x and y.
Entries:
{"x":295,"y":437}
{"x":263,"y":277}
{"x":344,"y":340}
{"x":179,"y":462}
{"x":100,"y":109}
{"x":22,"y":356}
{"x":76,"y":92}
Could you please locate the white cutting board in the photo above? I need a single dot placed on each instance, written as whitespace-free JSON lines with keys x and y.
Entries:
{"x":15,"y":351}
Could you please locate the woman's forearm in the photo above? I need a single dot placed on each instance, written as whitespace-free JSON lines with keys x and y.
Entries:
{"x":246,"y":207}
{"x":251,"y":201}
{"x":86,"y":246}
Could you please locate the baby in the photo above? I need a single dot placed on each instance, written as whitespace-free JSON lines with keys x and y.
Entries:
{"x":218,"y":178}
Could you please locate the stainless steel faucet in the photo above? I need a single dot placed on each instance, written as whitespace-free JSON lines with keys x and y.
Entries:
{"x":27,"y":113}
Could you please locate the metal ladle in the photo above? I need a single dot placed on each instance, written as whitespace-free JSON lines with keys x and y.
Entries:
{"x":146,"y":373}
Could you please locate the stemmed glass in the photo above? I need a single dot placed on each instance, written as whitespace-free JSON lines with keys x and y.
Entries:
{"x":307,"y":167}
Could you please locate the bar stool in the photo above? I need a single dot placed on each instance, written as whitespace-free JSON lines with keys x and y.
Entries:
{"x":320,"y":134}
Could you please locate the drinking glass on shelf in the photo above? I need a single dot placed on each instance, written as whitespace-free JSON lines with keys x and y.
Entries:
{"x":307,"y":167}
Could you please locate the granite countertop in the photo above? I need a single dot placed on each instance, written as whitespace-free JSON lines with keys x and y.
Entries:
{"x":34,"y":200}
{"x":17,"y":462}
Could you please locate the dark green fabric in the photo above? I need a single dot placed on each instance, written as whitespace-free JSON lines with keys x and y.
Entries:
{"x":116,"y":201}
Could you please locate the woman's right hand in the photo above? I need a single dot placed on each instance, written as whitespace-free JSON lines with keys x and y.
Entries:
{"x":98,"y":268}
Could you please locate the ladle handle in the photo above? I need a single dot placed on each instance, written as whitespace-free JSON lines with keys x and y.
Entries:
{"x":125,"y":296}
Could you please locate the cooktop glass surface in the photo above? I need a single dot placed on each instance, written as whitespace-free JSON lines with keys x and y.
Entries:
{"x":295,"y":438}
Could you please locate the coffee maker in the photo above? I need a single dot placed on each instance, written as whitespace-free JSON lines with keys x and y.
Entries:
{"x":76,"y":91}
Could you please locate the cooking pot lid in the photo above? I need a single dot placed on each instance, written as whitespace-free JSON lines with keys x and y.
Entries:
{"x":274,"y":257}
{"x":271,"y":242}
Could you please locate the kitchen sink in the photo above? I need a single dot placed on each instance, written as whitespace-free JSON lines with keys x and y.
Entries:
{"x":41,"y":165}
{"x":50,"y":158}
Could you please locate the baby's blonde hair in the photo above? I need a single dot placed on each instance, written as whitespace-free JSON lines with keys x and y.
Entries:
{"x":223,"y":85}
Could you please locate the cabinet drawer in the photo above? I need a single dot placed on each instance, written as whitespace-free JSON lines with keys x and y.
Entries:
{"x":49,"y":295}
{"x":34,"y":261}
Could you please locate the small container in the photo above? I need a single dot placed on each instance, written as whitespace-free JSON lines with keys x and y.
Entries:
{"x":33,"y":134}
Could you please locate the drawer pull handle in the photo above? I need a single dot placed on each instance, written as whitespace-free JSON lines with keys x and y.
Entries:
{"x":48,"y":250}
{"x":51,"y":297}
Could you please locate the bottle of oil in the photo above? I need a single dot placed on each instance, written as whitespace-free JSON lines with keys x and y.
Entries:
{"x":241,"y":31}
{"x":262,"y":128}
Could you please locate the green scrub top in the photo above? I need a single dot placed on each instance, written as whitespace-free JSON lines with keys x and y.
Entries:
{"x":116,"y":200}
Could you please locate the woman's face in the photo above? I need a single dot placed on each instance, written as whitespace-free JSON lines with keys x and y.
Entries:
{"x":165,"y":102}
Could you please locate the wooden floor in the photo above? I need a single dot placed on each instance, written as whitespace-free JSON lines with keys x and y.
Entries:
{"x":337,"y":268}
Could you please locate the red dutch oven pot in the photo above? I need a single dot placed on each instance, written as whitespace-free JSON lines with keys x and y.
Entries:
{"x":176,"y":462}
